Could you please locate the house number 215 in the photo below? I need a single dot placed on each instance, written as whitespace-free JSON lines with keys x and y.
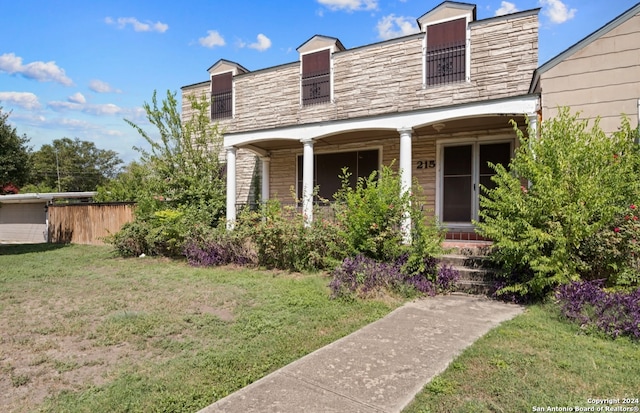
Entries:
{"x":426,"y":164}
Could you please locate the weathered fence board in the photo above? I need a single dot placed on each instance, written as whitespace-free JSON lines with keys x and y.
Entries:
{"x":87,"y":223}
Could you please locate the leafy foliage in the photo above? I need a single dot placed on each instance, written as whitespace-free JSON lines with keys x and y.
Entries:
{"x":14,"y":154}
{"x":283,"y":240}
{"x":615,"y":313}
{"x":558,"y":192}
{"x":207,"y":247}
{"x":80,"y":165}
{"x":178,"y":182}
{"x":371,"y":217}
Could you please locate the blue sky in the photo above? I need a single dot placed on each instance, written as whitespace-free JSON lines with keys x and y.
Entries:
{"x":74,"y":68}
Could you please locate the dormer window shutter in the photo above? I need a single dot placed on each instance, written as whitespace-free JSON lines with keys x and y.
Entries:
{"x":446,"y":52}
{"x":221,"y":96}
{"x":316,"y":77}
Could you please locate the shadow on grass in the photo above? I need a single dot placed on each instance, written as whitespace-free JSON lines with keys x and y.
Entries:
{"x":15,"y":249}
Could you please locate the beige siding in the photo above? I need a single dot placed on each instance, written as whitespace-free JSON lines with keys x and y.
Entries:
{"x":600,"y":80}
{"x":23,"y":223}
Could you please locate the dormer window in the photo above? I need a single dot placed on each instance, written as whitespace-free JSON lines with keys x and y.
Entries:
{"x":222,"y":96}
{"x":316,"y":77}
{"x":446,"y":52}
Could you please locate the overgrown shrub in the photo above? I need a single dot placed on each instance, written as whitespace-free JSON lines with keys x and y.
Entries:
{"x":558,"y":194}
{"x":371,"y":217}
{"x":205,"y":247}
{"x":615,"y":313}
{"x":282,"y":240}
{"x":162,"y":233}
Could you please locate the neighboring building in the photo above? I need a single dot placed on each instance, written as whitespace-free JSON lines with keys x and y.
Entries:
{"x":438,"y":102}
{"x":24,"y":219}
{"x":598,"y":76}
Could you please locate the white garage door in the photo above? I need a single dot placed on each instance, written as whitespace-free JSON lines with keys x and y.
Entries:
{"x":23,"y":223}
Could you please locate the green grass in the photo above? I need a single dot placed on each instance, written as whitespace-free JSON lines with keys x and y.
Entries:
{"x":534,"y":360}
{"x":83,"y":329}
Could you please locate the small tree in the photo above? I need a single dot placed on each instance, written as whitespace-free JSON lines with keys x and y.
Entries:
{"x":178,"y":183}
{"x":185,"y":172}
{"x":15,"y":162}
{"x":559,"y":191}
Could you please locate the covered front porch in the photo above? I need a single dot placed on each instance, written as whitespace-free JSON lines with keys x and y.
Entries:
{"x":445,"y":150}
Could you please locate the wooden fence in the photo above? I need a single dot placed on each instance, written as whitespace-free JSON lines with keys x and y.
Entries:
{"x":87,"y":223}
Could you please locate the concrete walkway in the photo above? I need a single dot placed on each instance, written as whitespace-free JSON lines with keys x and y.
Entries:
{"x":379,"y":368}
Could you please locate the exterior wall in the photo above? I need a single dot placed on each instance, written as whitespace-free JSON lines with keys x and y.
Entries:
{"x":23,"y":223}
{"x":387,"y":78}
{"x":602,"y":79}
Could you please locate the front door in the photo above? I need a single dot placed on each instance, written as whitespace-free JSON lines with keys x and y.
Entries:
{"x":465,"y":167}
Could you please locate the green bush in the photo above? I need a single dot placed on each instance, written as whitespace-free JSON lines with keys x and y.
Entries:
{"x":551,"y":209}
{"x":282,"y":240}
{"x":163,"y":233}
{"x":371,"y":216}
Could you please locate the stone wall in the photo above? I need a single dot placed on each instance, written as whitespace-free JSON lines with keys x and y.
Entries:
{"x":387,"y":77}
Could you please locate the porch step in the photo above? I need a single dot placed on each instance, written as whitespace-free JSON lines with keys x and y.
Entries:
{"x":477,"y":274}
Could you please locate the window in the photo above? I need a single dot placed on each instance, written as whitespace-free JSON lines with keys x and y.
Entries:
{"x":316,"y":77}
{"x":327,"y":169}
{"x":446,"y":52}
{"x":221,"y":96}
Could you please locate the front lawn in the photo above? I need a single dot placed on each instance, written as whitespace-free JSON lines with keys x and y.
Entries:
{"x":81,"y":329}
{"x":536,"y":360}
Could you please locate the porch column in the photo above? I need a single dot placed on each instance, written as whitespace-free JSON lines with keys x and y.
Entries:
{"x":405,"y":177}
{"x":307,"y":180}
{"x":231,"y":186}
{"x":533,"y":124}
{"x":265,"y":162}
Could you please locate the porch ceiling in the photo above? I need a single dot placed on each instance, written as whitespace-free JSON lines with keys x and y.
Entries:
{"x":448,"y":128}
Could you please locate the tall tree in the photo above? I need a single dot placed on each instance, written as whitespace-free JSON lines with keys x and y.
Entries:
{"x":73,"y":165}
{"x":14,"y":154}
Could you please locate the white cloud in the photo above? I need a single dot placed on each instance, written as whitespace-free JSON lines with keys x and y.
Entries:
{"x":99,"y":86}
{"x":137,"y":25}
{"x":557,"y":11}
{"x":395,"y":26}
{"x":26,"y":100}
{"x":77,"y":98}
{"x":213,"y":39}
{"x":506,"y":8}
{"x":262,"y":44}
{"x":92,"y":109}
{"x":349,"y":5}
{"x":40,"y":71}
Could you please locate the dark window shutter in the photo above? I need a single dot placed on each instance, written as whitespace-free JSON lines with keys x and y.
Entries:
{"x":221,"y":83}
{"x":446,"y":52}
{"x":221,"y":96}
{"x":446,"y":33}
{"x":316,"y":77}
{"x":316,"y":64}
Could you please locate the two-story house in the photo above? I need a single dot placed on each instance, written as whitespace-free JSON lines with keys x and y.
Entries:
{"x":438,"y":103}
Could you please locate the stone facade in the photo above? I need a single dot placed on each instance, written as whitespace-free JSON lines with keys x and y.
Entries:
{"x":380,"y":100}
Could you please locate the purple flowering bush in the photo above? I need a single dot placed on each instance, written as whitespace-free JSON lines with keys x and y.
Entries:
{"x":616,"y":313}
{"x":363,"y":276}
{"x":205,"y":247}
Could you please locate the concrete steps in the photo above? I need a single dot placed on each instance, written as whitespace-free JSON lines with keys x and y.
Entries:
{"x":477,"y":275}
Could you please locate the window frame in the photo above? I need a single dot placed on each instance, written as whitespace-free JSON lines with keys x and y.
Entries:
{"x":323,"y":73}
{"x":224,"y":91}
{"x":467,"y":53}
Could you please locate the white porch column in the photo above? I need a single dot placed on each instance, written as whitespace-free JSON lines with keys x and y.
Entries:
{"x":231,"y":186}
{"x":307,"y":180}
{"x":405,"y":176}
{"x":265,"y":163}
